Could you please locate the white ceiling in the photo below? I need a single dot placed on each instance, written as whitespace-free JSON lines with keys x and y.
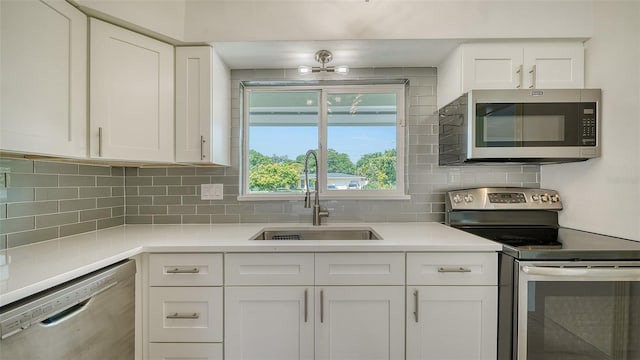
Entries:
{"x":354,"y":53}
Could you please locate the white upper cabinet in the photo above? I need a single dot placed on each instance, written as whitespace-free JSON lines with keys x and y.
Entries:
{"x":44,"y":78}
{"x":202,"y":106}
{"x":132,"y":95}
{"x":531,"y":65}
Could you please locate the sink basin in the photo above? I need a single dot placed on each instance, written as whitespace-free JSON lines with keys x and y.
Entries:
{"x":317,"y":233}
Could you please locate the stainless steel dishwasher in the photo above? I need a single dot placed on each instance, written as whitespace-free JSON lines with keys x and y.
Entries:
{"x":91,"y":317}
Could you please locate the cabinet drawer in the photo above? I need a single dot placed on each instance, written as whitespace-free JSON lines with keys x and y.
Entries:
{"x":359,"y":269}
{"x":185,"y":314}
{"x":269,"y":269}
{"x":452,"y":269}
{"x":185,"y":269}
{"x":185,"y":351}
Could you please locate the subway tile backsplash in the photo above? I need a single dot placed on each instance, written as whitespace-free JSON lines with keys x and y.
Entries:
{"x":42,"y":200}
{"x":172,"y":195}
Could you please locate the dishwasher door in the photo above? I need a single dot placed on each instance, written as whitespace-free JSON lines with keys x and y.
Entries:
{"x":91,"y":317}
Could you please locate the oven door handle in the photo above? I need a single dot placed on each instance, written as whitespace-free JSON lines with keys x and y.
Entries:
{"x":618,"y":273}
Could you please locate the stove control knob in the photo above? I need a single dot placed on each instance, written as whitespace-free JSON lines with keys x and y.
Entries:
{"x":555,"y":198}
{"x":544,"y":197}
{"x":535,"y":197}
{"x":468,"y":198}
{"x":457,"y":198}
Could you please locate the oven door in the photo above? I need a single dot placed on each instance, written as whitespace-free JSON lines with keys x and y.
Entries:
{"x":578,"y":310}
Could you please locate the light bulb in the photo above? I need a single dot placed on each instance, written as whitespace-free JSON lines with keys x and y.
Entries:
{"x":304,"y":69}
{"x":342,"y":69}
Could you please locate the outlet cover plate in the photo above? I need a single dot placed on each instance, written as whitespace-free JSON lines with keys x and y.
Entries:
{"x":211,"y":192}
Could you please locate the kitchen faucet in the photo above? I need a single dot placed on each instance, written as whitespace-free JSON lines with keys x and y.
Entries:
{"x":318,"y":213}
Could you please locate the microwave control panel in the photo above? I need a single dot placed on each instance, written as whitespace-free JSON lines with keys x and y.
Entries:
{"x":589,"y":129}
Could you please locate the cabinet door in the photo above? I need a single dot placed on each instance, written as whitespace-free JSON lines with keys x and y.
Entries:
{"x":360,"y":322}
{"x":560,"y":66}
{"x":491,"y":67}
{"x":451,"y":322}
{"x":131,"y":105}
{"x":268,"y":323}
{"x":202,"y":106}
{"x":44,"y":78}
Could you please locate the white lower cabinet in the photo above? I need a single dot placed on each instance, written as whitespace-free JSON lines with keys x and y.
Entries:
{"x":360,"y":322}
{"x":323,"y":306}
{"x":452,"y":306}
{"x":331,"y":317}
{"x":184,"y":313}
{"x":269,"y":323}
{"x":451,"y":322}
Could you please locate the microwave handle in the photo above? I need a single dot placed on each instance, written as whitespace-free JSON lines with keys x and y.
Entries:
{"x":617,"y":273}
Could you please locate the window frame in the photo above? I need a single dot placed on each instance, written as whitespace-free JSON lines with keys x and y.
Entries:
{"x":399,"y":87}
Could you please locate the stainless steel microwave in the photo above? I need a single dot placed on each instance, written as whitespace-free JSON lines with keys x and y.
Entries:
{"x":521,"y":126}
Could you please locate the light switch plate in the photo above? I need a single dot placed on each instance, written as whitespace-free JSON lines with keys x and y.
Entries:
{"x":211,"y":192}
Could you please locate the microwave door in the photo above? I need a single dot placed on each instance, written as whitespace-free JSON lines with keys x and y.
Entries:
{"x":500,"y":125}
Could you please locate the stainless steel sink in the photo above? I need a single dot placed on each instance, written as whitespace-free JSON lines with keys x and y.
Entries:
{"x":317,"y":233}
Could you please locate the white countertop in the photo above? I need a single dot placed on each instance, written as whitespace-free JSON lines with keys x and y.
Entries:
{"x":29,"y":269}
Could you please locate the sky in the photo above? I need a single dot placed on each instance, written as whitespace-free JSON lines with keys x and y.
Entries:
{"x":293,"y":141}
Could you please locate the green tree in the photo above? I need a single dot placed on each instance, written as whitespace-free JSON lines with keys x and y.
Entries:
{"x":339,"y":163}
{"x":256,"y":159}
{"x":271,"y":177}
{"x":336,"y":163}
{"x":379,"y":169}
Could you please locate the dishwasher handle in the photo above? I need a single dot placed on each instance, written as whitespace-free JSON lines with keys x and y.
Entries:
{"x":55,"y":319}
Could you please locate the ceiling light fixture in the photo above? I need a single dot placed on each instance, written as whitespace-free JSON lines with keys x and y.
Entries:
{"x":323,"y":57}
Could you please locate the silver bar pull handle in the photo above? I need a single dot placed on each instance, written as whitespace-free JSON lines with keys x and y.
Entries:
{"x":202,"y":141}
{"x":416,"y":300}
{"x":183,"y":271}
{"x":306,"y":305}
{"x":533,"y":77}
{"x":100,"y":141}
{"x":321,"y":306}
{"x":613,"y":273}
{"x":455,"y":269}
{"x":519,"y":74}
{"x":190,"y":316}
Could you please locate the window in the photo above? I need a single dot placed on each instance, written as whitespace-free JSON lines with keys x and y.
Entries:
{"x":356,"y":130}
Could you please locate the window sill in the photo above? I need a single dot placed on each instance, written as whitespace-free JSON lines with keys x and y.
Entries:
{"x":347,"y":197}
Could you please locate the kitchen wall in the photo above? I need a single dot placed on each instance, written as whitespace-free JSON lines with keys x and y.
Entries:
{"x":385,"y":19}
{"x":41,"y":200}
{"x":603,"y":195}
{"x":172,"y":195}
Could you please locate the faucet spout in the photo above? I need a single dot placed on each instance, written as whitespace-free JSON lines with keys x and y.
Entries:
{"x":318,"y":212}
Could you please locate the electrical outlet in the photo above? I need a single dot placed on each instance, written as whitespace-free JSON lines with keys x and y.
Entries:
{"x":211,"y":192}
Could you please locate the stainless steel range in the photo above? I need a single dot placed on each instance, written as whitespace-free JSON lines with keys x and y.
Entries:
{"x":563,"y":294}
